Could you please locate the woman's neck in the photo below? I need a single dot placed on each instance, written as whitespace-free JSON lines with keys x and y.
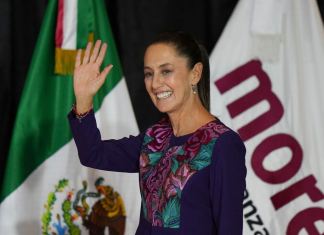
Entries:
{"x":187,"y":121}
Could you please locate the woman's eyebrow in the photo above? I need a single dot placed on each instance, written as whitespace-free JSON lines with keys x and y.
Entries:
{"x":160,"y":66}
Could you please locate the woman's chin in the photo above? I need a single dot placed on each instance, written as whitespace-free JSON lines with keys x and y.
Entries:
{"x":163,"y":108}
{"x":166,"y":109}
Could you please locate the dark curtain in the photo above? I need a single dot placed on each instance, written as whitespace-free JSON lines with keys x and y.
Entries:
{"x":133,"y":24}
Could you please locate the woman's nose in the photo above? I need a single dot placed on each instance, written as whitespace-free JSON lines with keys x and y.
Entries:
{"x":156,"y":81}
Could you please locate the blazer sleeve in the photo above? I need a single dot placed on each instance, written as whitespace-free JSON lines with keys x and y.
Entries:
{"x":113,"y":155}
{"x":228,"y":174}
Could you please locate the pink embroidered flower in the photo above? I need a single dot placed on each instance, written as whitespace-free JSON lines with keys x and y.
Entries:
{"x":220,"y":128}
{"x":157,"y":222}
{"x":205,"y":136}
{"x":161,"y":133}
{"x":144,"y":164}
{"x":153,"y":199}
{"x":169,"y":187}
{"x":176,"y":182}
{"x":153,"y":181}
{"x":192,"y":146}
{"x":144,"y":160}
{"x":199,"y":138}
{"x":182,"y":175}
{"x":158,"y":175}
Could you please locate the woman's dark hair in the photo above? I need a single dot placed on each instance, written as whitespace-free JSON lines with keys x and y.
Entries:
{"x":189,"y":48}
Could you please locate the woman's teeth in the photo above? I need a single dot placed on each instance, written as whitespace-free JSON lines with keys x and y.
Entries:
{"x":164,"y":94}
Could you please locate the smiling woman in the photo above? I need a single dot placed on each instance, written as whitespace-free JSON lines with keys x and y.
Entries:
{"x":177,"y":79}
{"x":191,"y":166}
{"x":168,"y":79}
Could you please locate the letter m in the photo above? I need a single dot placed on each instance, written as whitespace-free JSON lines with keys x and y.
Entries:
{"x":262,"y":92}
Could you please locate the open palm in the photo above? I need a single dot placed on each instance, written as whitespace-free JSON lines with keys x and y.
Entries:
{"x":88,"y":78}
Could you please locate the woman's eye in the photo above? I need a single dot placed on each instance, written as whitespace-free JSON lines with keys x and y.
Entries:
{"x":147,"y":75}
{"x":166,"y":72}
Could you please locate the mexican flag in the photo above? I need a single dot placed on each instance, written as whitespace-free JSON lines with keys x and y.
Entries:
{"x":45,"y":188}
{"x":267,"y":80}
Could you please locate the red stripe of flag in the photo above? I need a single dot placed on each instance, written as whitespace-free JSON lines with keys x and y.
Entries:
{"x":59,"y":24}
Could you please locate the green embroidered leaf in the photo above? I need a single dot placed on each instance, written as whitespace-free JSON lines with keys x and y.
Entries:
{"x":180,"y":151}
{"x":144,"y":206}
{"x":154,"y":158}
{"x":171,"y":213}
{"x":203,"y":158}
{"x":147,"y":139}
{"x":175,"y":165}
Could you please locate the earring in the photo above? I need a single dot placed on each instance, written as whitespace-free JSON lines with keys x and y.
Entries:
{"x":194,"y":88}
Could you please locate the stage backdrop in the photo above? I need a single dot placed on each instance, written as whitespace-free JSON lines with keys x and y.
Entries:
{"x":133,"y":24}
{"x":267,"y":81}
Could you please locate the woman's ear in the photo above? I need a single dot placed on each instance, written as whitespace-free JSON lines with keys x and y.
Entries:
{"x":197,"y":72}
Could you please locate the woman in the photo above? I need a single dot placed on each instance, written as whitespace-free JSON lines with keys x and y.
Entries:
{"x":191,"y":166}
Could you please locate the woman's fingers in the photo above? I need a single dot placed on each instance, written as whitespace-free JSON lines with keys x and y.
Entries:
{"x":87,"y":76}
{"x":96,"y":56}
{"x":78,"y":58}
{"x":88,"y":67}
{"x":102,"y":54}
{"x":87,"y":53}
{"x":95,"y":51}
{"x":103,"y":74}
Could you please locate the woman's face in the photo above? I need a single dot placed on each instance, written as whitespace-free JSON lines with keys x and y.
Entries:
{"x":167,"y":78}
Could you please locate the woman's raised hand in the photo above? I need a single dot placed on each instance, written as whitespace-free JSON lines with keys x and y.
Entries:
{"x":87,"y":78}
